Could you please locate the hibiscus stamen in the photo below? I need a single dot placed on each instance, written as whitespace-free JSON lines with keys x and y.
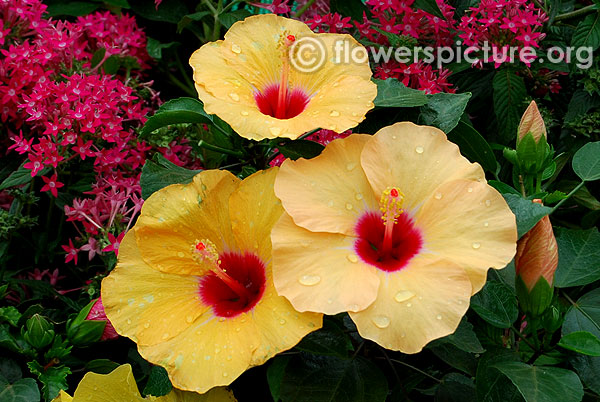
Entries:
{"x":283,"y":84}
{"x":391,"y":207}
{"x":205,"y":251}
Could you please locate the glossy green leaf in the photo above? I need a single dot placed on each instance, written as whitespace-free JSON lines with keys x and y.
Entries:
{"x":21,"y":176}
{"x":311,"y":378}
{"x":275,"y":373}
{"x":456,"y":388}
{"x":160,"y":172}
{"x":493,"y":386}
{"x":176,"y":111}
{"x":331,"y":340}
{"x":429,"y":6}
{"x":543,"y":384}
{"x":496,"y":303}
{"x":71,"y":8}
{"x":158,"y":382}
{"x":53,"y":378}
{"x":509,"y":93}
{"x":392,"y":93}
{"x":296,"y":149}
{"x":228,"y":19}
{"x":527,"y":212}
{"x":155,"y":48}
{"x":348,"y":8}
{"x":444,"y":110}
{"x":463,"y":338}
{"x":578,"y":257}
{"x":581,"y":342}
{"x":24,"y":390}
{"x":586,"y":161}
{"x":587,"y":33}
{"x":473,"y":146}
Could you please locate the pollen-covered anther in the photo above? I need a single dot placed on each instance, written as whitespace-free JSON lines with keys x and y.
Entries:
{"x":391,"y":204}
{"x":205,"y":251}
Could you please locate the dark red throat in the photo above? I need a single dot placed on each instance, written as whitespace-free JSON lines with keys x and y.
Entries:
{"x":406,"y":241}
{"x":249,"y":273}
{"x":271,"y":103}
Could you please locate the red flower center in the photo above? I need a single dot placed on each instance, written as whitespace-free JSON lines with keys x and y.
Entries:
{"x":237,"y":287}
{"x":281,"y":104}
{"x":405,"y":241}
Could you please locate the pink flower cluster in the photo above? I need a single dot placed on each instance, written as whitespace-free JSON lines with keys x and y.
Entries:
{"x":502,"y":24}
{"x":62,"y":113}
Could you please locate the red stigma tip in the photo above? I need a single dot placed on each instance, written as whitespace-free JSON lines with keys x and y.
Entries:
{"x":394,"y":193}
{"x":291,"y":38}
{"x":200,"y":246}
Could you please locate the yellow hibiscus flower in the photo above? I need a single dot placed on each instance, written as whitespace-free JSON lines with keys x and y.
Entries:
{"x":273,"y":77}
{"x":397,"y":228}
{"x":119,"y":386}
{"x":193,"y":286}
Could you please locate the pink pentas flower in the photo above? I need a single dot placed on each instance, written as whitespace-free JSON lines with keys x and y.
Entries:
{"x":115,"y":243}
{"x":97,"y":314}
{"x":276,"y":6}
{"x":71,"y":252}
{"x":51,"y":185}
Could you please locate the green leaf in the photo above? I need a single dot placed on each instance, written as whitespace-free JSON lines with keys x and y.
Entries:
{"x":492,"y":386}
{"x":463,"y":338}
{"x":228,"y":19}
{"x":296,"y":149}
{"x":429,"y":6}
{"x":97,"y":57}
{"x":101,"y":366}
{"x":331,"y":379}
{"x":275,"y":373}
{"x":188,"y":19}
{"x":509,"y":93}
{"x":176,"y":111}
{"x":444,"y":110}
{"x":503,"y":187}
{"x":112,"y":64}
{"x":496,"y":303}
{"x":331,"y":340}
{"x":473,"y":146}
{"x":10,"y":314}
{"x":348,"y":8}
{"x":455,"y":357}
{"x":581,"y":342}
{"x":158,"y":382}
{"x":21,"y":176}
{"x":71,"y":8}
{"x":543,"y":384}
{"x":24,"y":390}
{"x":53,"y":378}
{"x":586,"y":162}
{"x":10,"y":370}
{"x":456,"y":388}
{"x":581,"y":102}
{"x":169,"y":11}
{"x":528,"y":213}
{"x":578,"y":257}
{"x":393,"y":93}
{"x":155,"y":48}
{"x":587,"y":33}
{"x":161,"y":173}
{"x":118,"y":3}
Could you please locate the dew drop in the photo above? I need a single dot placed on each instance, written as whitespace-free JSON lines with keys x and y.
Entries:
{"x":476,"y":245}
{"x":394,"y":137}
{"x":147,"y":325}
{"x":486,"y":224}
{"x":419,"y":150}
{"x":403,"y":335}
{"x":349,"y":206}
{"x":470,"y":189}
{"x":329,"y":301}
{"x":128,"y":321}
{"x":334,"y":113}
{"x":275,"y":131}
{"x":309,"y":280}
{"x":234,"y":96}
{"x":350,"y":166}
{"x":488,"y":203}
{"x":244,"y":113}
{"x":189,"y":318}
{"x":408,"y":304}
{"x":438,"y":196}
{"x":225,"y":374}
{"x":236,"y":49}
{"x":353,"y":307}
{"x":282,"y":321}
{"x":439,"y":317}
{"x":381,"y":321}
{"x":358,"y":196}
{"x":238,"y":329}
{"x":403,"y":295}
{"x":180,"y":254}
{"x":352,"y":258}
{"x":165,"y":335}
{"x":330,"y":203}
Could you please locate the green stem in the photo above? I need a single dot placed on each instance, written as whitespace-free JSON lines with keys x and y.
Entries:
{"x":568,"y":196}
{"x":181,"y":85}
{"x":184,"y":73}
{"x":538,"y":183}
{"x":215,"y":148}
{"x":576,"y":13}
{"x":216,"y":34}
{"x":522,"y":337}
{"x":303,"y":9}
{"x":210,"y":6}
{"x":418,"y":370}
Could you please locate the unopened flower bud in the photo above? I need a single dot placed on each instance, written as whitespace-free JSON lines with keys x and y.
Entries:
{"x":535,"y":263}
{"x":532,"y":122}
{"x":39,"y":331}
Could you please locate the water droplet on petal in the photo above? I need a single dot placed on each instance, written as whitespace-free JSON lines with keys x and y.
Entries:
{"x":189,"y":318}
{"x":353,"y":307}
{"x":408,"y":304}
{"x":350,"y":166}
{"x":486,"y":224}
{"x":329,"y":301}
{"x":180,"y":254}
{"x":330,"y":203}
{"x":403,"y":295}
{"x":419,"y":150}
{"x":488,"y":203}
{"x":165,"y":335}
{"x":349,"y":206}
{"x":244,"y":113}
{"x":234,"y":96}
{"x":275,"y":131}
{"x":438,"y":196}
{"x":358,"y":196}
{"x":334,"y":113}
{"x":439,"y":317}
{"x":282,"y":321}
{"x":236,"y":49}
{"x":476,"y":245}
{"x":381,"y":321}
{"x":225,"y":374}
{"x":309,"y":280}
{"x":470,"y":189}
{"x":352,"y":258}
{"x":147,"y":325}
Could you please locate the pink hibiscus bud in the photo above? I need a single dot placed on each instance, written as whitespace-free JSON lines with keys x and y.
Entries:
{"x":535,"y":263}
{"x":532,"y":122}
{"x":97,"y":314}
